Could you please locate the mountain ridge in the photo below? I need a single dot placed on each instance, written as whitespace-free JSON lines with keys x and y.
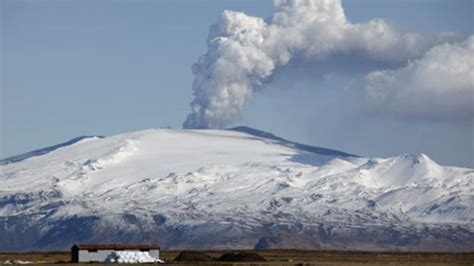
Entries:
{"x":240,"y":188}
{"x":244,"y":129}
{"x":313,"y":149}
{"x":41,"y":151}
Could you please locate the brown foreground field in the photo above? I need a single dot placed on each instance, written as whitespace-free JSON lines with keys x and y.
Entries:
{"x":281,"y":257}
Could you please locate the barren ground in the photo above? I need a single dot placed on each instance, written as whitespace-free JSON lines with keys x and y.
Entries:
{"x":285,"y":257}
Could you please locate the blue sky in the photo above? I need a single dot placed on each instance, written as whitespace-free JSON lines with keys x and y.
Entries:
{"x":71,"y":68}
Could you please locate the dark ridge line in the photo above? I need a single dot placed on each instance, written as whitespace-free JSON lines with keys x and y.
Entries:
{"x":291,"y":144}
{"x":244,"y":129}
{"x":42,"y":151}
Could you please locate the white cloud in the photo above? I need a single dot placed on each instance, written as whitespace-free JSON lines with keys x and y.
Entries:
{"x":440,"y":85}
{"x":244,"y":52}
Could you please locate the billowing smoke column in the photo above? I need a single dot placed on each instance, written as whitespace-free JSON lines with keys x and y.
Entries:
{"x":244,"y":51}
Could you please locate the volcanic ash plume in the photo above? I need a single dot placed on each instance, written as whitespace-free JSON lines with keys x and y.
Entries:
{"x":244,"y":51}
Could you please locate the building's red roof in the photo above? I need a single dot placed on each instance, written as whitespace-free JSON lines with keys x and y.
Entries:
{"x":117,"y":246}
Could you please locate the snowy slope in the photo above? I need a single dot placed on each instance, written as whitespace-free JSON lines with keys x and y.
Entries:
{"x":239,"y":188}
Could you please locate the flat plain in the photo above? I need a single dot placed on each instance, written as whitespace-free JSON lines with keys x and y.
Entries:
{"x":277,"y":257}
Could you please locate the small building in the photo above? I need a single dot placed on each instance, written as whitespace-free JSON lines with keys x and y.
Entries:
{"x":102,"y":252}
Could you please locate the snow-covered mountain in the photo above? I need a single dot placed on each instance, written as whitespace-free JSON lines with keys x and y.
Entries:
{"x":239,"y":188}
